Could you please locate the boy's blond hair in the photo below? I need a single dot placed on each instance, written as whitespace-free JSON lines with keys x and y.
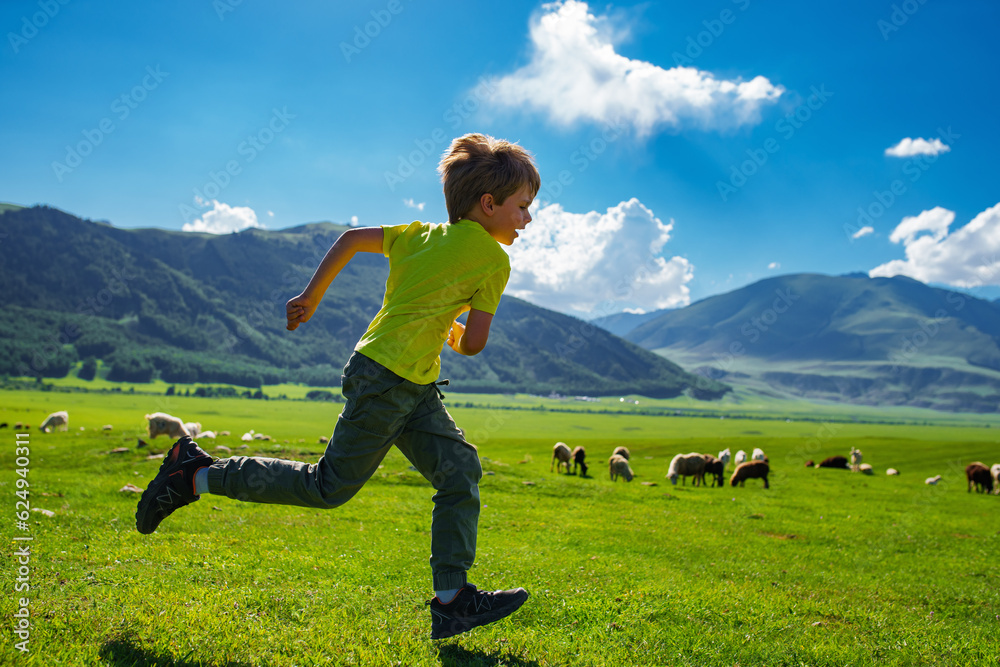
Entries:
{"x":477,"y":164}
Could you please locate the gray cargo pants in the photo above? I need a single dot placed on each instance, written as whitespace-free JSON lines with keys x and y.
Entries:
{"x":382,"y":410}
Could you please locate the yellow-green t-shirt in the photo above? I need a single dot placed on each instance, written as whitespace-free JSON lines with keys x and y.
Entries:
{"x":436,"y":271}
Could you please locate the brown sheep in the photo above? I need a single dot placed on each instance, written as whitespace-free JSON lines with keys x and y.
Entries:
{"x":750,"y":470}
{"x":560,"y":456}
{"x":579,"y":453}
{"x":618,"y":465}
{"x":979,"y":476}
{"x":716,"y":468}
{"x":838,"y":462}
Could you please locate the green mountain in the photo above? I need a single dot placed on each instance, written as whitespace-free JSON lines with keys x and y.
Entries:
{"x":868,"y":340}
{"x":190,"y":307}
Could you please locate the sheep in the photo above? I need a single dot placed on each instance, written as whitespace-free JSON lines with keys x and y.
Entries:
{"x":716,"y":468}
{"x":192,"y":428}
{"x":838,"y":462}
{"x":750,"y":470}
{"x":866,"y":469}
{"x":933,"y":480}
{"x":618,"y":465}
{"x":995,"y":473}
{"x":740,"y":457}
{"x":57,"y":420}
{"x":561,"y":456}
{"x":725,"y":457}
{"x":579,"y":454}
{"x":223,"y":433}
{"x":979,"y":476}
{"x":248,"y":436}
{"x":856,"y":458}
{"x":160,"y":423}
{"x":622,"y":452}
{"x":891,"y":471}
{"x":810,"y":463}
{"x":683,"y":465}
{"x":758,"y":455}
{"x":206,"y":435}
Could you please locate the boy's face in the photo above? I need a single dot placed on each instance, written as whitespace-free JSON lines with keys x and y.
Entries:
{"x":511,"y":216}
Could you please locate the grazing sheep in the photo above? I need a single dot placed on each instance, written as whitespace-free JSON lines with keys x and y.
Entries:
{"x":192,"y":428}
{"x":891,"y":471}
{"x":740,"y":457}
{"x":561,"y":455}
{"x":248,"y":436}
{"x":206,"y":435}
{"x":57,"y":420}
{"x":684,"y":465}
{"x":622,"y":452}
{"x":979,"y":476}
{"x":750,"y":470}
{"x":933,"y":480}
{"x":579,"y":454}
{"x":758,"y":455}
{"x":866,"y":469}
{"x":223,"y":433}
{"x":856,"y":458}
{"x":160,"y":423}
{"x":838,"y":462}
{"x":995,"y":473}
{"x":107,"y":427}
{"x":717,"y":469}
{"x":725,"y":456}
{"x":618,"y":466}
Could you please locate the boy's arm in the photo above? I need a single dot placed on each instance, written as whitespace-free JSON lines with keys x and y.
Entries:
{"x":470,"y":338}
{"x":361,"y":239}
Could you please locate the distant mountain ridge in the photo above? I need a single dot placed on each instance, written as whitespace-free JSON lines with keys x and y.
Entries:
{"x":871,"y":340}
{"x":210,"y":308}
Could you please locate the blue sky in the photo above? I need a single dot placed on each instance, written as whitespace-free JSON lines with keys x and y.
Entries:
{"x":686,"y":149}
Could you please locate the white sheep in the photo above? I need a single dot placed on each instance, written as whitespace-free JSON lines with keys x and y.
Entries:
{"x":685,"y":465}
{"x":725,"y":457}
{"x":995,"y":472}
{"x":758,"y":455}
{"x":856,"y":459}
{"x":248,"y":436}
{"x":618,"y":466}
{"x":740,"y":457}
{"x":933,"y":480}
{"x":160,"y":423}
{"x":192,"y":428}
{"x":891,"y":471}
{"x":622,"y":452}
{"x":562,"y":455}
{"x":57,"y":420}
{"x":866,"y":469}
{"x":206,"y":435}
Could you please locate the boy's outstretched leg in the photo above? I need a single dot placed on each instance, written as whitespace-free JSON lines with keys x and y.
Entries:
{"x":173,"y":486}
{"x":471,"y":608}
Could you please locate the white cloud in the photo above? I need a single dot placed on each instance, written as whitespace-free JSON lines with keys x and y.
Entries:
{"x":223,"y":219}
{"x":909,"y":147}
{"x":270,"y":214}
{"x":598,"y":263}
{"x":410,"y":203}
{"x":966,"y":257}
{"x":354,"y":221}
{"x":864,"y":231}
{"x":575,"y":75}
{"x":774,"y":265}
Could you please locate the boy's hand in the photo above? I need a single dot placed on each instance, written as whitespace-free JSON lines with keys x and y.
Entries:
{"x":455,"y":335}
{"x":298,"y":310}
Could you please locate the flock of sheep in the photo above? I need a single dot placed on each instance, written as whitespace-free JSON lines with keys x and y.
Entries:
{"x":984,"y":479}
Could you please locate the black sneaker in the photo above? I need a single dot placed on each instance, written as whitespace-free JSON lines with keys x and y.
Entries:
{"x":173,"y":486}
{"x":472,"y":608}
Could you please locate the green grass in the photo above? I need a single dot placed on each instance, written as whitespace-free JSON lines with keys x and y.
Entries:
{"x":824,"y":568}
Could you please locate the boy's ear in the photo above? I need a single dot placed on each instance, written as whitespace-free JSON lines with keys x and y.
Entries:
{"x":486,"y":203}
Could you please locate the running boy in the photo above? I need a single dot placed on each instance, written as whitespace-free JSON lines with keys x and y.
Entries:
{"x":436,"y":273}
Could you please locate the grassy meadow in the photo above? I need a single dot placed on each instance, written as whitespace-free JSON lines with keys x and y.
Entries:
{"x":824,"y":568}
